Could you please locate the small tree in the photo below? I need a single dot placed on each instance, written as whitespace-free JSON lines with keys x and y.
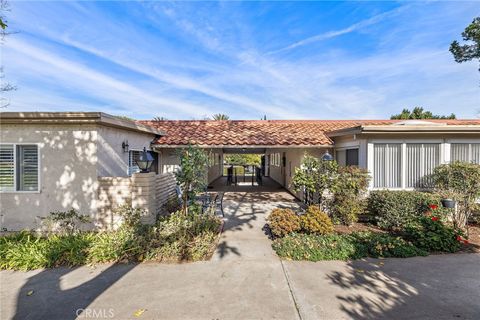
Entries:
{"x":348,"y":188}
{"x":459,"y":181}
{"x":313,"y":178}
{"x":192,"y":175}
{"x":305,"y":178}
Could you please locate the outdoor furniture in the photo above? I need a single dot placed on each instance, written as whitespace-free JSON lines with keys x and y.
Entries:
{"x":208,"y":200}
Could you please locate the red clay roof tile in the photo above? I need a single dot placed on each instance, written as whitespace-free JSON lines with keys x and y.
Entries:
{"x":261,"y":132}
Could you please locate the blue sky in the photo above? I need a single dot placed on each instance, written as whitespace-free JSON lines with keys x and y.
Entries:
{"x":287,"y":60}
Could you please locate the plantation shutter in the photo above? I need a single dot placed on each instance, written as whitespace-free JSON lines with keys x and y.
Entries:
{"x":422,"y":158}
{"x":7,"y":168}
{"x":27,"y":168}
{"x":459,"y":152}
{"x":387,"y":167}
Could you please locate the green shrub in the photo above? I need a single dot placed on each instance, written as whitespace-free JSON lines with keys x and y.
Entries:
{"x":385,"y":245}
{"x":395,"y":209}
{"x":350,"y":184}
{"x":316,"y":221}
{"x":459,"y":181}
{"x":131,"y":216}
{"x":430,"y":234}
{"x":316,"y":248}
{"x":66,"y":222}
{"x":175,"y":238}
{"x":283,"y":222}
{"x":344,"y":246}
{"x":26,"y":251}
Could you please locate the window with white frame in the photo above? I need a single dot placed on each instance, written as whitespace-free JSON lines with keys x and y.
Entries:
{"x":387,"y":165}
{"x":133,"y":156}
{"x":19,"y":167}
{"x":466,"y":152}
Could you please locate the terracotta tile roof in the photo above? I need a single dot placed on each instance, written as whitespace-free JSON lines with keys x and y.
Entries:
{"x":261,"y":132}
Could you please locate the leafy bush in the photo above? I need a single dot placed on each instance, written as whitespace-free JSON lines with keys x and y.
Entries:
{"x":344,"y":246}
{"x":173,"y":204}
{"x":26,"y":251}
{"x":431,"y":234}
{"x":283,"y":222}
{"x":66,"y":222}
{"x":348,"y":189}
{"x":316,"y":221}
{"x":316,"y":248}
{"x":131,"y":216}
{"x":459,"y":181}
{"x":174,"y":238}
{"x":386,"y":245}
{"x":395,"y":209}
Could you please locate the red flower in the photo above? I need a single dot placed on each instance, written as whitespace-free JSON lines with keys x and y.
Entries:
{"x":465,"y":241}
{"x":459,"y":238}
{"x":434,"y":218}
{"x":433,"y":206}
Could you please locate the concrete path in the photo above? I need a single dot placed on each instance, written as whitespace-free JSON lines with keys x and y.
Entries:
{"x":246,"y":280}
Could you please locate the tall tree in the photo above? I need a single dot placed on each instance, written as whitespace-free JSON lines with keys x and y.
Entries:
{"x":220,"y":116}
{"x":419,"y":113}
{"x":470,"y":50}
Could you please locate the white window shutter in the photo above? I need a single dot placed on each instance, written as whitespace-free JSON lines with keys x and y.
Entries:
{"x":27,"y":160}
{"x":7,"y":168}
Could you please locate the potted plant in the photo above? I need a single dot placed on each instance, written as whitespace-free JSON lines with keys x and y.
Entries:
{"x":448,"y":203}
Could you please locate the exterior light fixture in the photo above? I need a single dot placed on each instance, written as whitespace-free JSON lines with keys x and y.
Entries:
{"x":327,"y":156}
{"x":125,"y":146}
{"x":144,"y":161}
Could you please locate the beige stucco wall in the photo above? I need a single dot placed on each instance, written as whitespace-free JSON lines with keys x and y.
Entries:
{"x":68,"y":173}
{"x":112,"y":160}
{"x":72,"y":157}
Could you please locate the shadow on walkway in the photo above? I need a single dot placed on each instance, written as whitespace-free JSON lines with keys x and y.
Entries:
{"x":50,"y":301}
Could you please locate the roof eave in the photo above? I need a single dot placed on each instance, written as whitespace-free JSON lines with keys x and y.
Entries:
{"x":76,"y":118}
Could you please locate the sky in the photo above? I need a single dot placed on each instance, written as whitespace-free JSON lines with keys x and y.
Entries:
{"x":285,"y":60}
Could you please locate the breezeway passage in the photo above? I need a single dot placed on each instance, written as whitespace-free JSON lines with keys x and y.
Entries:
{"x":246,"y":280}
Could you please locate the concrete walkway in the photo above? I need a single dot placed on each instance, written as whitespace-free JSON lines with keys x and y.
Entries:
{"x":246,"y":280}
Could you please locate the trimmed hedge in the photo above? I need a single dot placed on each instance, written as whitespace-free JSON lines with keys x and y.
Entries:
{"x":393,"y":210}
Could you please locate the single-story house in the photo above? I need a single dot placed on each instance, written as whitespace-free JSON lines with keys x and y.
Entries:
{"x":86,"y":160}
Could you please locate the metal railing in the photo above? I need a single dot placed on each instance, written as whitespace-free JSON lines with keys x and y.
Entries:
{"x":242,"y":173}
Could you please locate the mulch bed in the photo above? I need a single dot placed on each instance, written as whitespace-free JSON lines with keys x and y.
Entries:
{"x":358,"y":226}
{"x":473,"y":239}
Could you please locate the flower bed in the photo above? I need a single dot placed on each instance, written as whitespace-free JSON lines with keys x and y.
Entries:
{"x":421,"y":236}
{"x":172,"y":239}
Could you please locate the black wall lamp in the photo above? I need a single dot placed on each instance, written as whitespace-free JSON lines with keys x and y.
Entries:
{"x":125,"y":146}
